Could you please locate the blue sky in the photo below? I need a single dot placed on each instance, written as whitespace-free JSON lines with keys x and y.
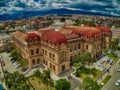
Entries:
{"x":111,"y":7}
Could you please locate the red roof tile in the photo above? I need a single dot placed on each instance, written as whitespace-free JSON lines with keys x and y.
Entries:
{"x":105,"y":29}
{"x":87,"y":31}
{"x":55,"y":37}
{"x":31,"y":36}
{"x":71,"y":36}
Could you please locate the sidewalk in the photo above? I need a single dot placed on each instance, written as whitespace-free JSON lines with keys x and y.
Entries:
{"x":112,"y":70}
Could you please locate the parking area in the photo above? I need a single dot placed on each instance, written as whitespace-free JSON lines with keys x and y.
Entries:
{"x":8,"y":64}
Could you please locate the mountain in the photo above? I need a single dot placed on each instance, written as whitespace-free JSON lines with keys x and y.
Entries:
{"x":14,"y":9}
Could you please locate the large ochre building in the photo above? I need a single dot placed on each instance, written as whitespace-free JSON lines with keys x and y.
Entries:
{"x":57,"y":49}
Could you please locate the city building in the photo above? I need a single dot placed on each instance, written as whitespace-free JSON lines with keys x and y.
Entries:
{"x":57,"y":49}
{"x":4,"y":41}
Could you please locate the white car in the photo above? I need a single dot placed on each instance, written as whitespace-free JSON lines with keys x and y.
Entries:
{"x":117,"y":83}
{"x":1,"y":58}
{"x":16,"y":65}
{"x":118,"y":69}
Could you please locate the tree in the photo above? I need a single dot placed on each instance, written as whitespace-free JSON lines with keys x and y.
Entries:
{"x":62,"y":84}
{"x":114,"y":44}
{"x":15,"y":54}
{"x":84,"y":58}
{"x":89,"y":84}
{"x":62,"y":19}
{"x":45,"y":77}
{"x":37,"y":73}
{"x":16,"y":81}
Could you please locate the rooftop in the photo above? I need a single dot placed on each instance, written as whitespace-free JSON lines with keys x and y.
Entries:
{"x":55,"y":37}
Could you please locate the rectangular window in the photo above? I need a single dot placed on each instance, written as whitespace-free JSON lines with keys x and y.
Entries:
{"x":50,"y":65}
{"x":63,"y":67}
{"x":45,"y":52}
{"x":53,"y":57}
{"x":37,"y":50}
{"x":42,"y":51}
{"x":33,"y":61}
{"x":75,"y":48}
{"x":49,"y":55}
{"x":38,"y":61}
{"x":54,"y":67}
{"x":79,"y":46}
{"x":71,"y":48}
{"x":46,"y":62}
{"x":86,"y":47}
{"x":32,"y":52}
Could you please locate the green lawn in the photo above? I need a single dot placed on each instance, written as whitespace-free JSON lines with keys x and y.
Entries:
{"x":76,"y":65}
{"x":112,"y":56}
{"x":106,"y":79}
{"x":86,"y":72}
{"x":119,"y":63}
{"x":38,"y":84}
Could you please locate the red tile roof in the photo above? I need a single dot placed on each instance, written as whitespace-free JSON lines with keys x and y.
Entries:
{"x":105,"y":29}
{"x":71,"y":36}
{"x":87,"y":31}
{"x":55,"y":37}
{"x":45,"y":29}
{"x":20,"y":34}
{"x":31,"y":36}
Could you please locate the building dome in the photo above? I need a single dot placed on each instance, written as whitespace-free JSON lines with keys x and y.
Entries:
{"x":55,"y":37}
{"x":30,"y":36}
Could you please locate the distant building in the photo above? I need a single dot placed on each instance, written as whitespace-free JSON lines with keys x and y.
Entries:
{"x":116,"y":33}
{"x":4,"y":41}
{"x":57,"y":49}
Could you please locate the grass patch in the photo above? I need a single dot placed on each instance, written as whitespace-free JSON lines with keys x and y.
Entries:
{"x":76,"y":65}
{"x":38,"y":84}
{"x":113,"y":56}
{"x":106,"y":79}
{"x":84,"y":72}
{"x":119,"y":63}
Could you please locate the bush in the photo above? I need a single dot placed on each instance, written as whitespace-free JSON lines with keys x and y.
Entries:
{"x":106,"y":79}
{"x":84,"y":70}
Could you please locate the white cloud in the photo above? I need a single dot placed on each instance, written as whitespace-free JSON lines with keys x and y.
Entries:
{"x":14,"y":5}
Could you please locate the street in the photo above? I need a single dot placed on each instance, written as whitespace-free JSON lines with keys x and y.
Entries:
{"x":8,"y":65}
{"x":110,"y":85}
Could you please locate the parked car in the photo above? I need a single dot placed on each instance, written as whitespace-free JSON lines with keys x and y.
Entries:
{"x":16,"y":65}
{"x":1,"y":87}
{"x":13,"y":61}
{"x":24,"y":69}
{"x":2,"y":63}
{"x":1,"y":58}
{"x":118,"y":69}
{"x":117,"y":83}
{"x":110,"y":61}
